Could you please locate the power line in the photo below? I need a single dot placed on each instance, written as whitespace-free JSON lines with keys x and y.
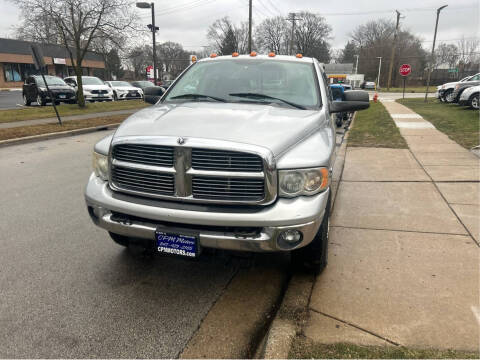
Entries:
{"x":371,"y":12}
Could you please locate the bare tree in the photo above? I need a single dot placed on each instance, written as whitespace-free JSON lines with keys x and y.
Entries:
{"x":446,"y":54}
{"x":468,"y":54}
{"x":272,"y":35}
{"x":139,"y":58}
{"x":312,"y":34}
{"x":79,"y":22}
{"x":173,"y":57}
{"x":226,"y":38}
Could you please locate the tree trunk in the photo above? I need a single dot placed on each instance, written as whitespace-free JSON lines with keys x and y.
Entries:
{"x":80,"y":97}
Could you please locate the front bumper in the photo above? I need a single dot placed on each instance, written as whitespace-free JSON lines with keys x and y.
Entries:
{"x":254,"y":229}
{"x":99,"y":97}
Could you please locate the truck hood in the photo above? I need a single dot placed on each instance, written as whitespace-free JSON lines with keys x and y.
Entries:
{"x":273,"y":127}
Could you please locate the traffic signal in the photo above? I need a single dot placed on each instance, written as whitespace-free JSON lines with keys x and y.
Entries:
{"x":150,"y":27}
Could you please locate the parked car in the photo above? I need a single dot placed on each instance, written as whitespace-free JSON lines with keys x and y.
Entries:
{"x":446,"y":91}
{"x":166,"y":83}
{"x":222,"y":161}
{"x":94,"y":89}
{"x":367,"y":85}
{"x":34,"y":90}
{"x":142,"y":84}
{"x":470,"y":97}
{"x":460,"y":87}
{"x":123,"y":90}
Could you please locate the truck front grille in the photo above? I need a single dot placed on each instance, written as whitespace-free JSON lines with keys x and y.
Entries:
{"x":143,"y":181}
{"x":227,"y":188}
{"x":206,"y":159}
{"x":190,"y":174}
{"x":144,"y":154}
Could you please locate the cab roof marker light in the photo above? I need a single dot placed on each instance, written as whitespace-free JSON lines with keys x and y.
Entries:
{"x":213,"y":55}
{"x":235,"y":54}
{"x":299,"y":56}
{"x":272,"y":54}
{"x":253,"y":53}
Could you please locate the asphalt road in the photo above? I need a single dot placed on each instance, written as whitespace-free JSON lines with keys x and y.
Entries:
{"x":10,"y":99}
{"x":66,"y":289}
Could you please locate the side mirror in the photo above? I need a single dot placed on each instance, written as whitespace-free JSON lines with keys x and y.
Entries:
{"x":152,"y":94}
{"x":354,"y":100}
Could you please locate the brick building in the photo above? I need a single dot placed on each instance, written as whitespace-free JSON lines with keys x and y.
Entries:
{"x":16,"y":62}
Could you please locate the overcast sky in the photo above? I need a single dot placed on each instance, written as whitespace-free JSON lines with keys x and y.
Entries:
{"x":186,"y":21}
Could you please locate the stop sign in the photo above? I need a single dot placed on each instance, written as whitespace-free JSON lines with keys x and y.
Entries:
{"x":405,"y":69}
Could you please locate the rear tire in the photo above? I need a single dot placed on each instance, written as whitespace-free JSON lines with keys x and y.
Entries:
{"x":314,"y":256}
{"x":473,"y":102}
{"x":120,"y":239}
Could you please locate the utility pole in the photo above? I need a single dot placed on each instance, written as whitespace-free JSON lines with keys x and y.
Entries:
{"x":153,"y":29}
{"x":379,"y":67}
{"x":433,"y":50}
{"x":356,"y":66}
{"x":392,"y":56}
{"x":249,"y":26}
{"x":292,"y":17}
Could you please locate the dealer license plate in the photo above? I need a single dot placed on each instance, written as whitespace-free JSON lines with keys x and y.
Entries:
{"x":177,"y":244}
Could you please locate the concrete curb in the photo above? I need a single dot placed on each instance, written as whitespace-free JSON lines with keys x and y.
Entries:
{"x":55,"y":135}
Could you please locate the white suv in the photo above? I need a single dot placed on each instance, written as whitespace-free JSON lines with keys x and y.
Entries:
{"x":94,"y":89}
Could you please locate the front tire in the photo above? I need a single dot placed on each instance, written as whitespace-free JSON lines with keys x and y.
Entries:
{"x":449,"y":98}
{"x":473,"y":102}
{"x":314,"y":256}
{"x":40,"y":101}
{"x":26,"y":102}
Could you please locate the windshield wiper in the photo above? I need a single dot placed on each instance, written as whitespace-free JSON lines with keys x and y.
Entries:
{"x":263,"y":96}
{"x":198,"y":96}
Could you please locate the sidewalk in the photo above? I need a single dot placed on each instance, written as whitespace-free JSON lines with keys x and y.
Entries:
{"x":14,"y":124}
{"x":403,"y":253}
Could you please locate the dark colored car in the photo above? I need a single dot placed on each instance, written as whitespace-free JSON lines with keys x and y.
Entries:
{"x":150,"y":91}
{"x":35,"y":90}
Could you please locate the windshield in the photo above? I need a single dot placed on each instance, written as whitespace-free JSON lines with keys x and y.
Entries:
{"x":120,"y":83}
{"x":51,"y":80}
{"x":92,"y":81}
{"x":284,"y":83}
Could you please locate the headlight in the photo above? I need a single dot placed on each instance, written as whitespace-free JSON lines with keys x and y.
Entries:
{"x":303,"y":181}
{"x":100,"y":165}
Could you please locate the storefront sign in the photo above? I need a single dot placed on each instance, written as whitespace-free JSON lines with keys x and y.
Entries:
{"x":60,"y":61}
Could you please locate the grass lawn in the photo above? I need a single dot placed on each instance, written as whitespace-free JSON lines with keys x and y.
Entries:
{"x":375,"y":128}
{"x":418,"y":89}
{"x":303,"y":348}
{"x":21,"y":131}
{"x":461,"y":124}
{"x":39,"y":112}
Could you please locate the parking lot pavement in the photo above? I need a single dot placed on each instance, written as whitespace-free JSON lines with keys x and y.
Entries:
{"x":67,"y":289}
{"x":10,"y":99}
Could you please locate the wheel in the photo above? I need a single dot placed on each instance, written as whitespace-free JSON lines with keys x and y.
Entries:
{"x":314,"y":256}
{"x":40,"y":101}
{"x":26,"y":102}
{"x":473,"y":102}
{"x":119,"y":239}
{"x":449,"y":97}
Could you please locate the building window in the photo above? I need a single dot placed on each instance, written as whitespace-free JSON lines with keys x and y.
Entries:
{"x":12,"y":72}
{"x":18,"y":72}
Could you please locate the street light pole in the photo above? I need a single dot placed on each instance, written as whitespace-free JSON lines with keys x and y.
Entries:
{"x":153,"y":28}
{"x":356,"y":66}
{"x":433,"y":50}
{"x":379,"y":67}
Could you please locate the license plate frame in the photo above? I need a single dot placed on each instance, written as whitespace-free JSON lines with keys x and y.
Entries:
{"x":177,"y":242}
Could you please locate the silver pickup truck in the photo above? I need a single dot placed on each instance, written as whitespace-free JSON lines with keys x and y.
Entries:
{"x":237,"y":155}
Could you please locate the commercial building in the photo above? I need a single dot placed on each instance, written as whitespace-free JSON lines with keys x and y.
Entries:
{"x":343,"y":73}
{"x":16,"y":62}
